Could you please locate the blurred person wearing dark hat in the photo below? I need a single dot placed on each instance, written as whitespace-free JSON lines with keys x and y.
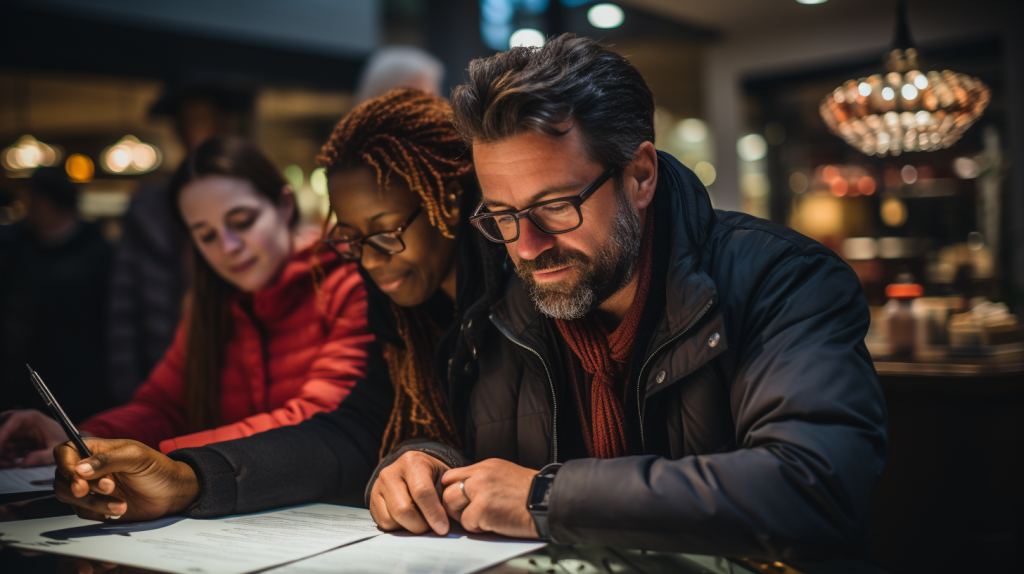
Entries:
{"x":151,"y":266}
{"x":54,"y":271}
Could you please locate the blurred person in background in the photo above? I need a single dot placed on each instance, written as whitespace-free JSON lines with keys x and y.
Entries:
{"x":151,"y":265}
{"x":54,"y":270}
{"x":400,"y":67}
{"x":272,"y":333}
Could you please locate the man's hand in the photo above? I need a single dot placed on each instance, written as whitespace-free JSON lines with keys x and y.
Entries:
{"x":27,"y":438}
{"x":147,"y":485}
{"x":406,"y":495}
{"x":493,"y":498}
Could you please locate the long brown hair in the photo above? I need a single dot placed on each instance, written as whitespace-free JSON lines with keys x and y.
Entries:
{"x":208,"y":312}
{"x":409,"y":133}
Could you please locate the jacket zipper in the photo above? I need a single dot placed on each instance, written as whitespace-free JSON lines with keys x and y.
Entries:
{"x":639,"y":405}
{"x":551,"y":384}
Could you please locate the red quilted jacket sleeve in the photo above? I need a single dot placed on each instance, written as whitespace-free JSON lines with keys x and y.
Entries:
{"x":340,"y":361}
{"x":157,"y":410}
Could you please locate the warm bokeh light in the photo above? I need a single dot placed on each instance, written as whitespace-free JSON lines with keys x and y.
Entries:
{"x":966,"y":168}
{"x":819,"y":215}
{"x":526,"y":37}
{"x":130,"y":157}
{"x":752,"y":147}
{"x":705,"y":172}
{"x":866,"y":185}
{"x":893,"y":212}
{"x":293,"y":174}
{"x":605,"y":16}
{"x":318,"y":181}
{"x":692,"y":130}
{"x":79,"y":168}
{"x":909,"y":174}
{"x":28,"y":153}
{"x":839,"y":187}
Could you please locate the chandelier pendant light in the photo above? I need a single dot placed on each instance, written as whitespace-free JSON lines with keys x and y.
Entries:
{"x":904,"y":109}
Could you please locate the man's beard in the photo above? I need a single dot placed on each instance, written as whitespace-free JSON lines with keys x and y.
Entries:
{"x":599,"y":277}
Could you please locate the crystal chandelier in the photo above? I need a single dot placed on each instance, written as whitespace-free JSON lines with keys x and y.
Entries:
{"x":904,"y":109}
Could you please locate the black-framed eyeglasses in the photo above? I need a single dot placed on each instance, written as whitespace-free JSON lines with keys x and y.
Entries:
{"x":387,"y":242}
{"x":553,"y":216}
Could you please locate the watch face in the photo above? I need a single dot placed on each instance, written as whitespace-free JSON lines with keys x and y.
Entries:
{"x":541,"y":492}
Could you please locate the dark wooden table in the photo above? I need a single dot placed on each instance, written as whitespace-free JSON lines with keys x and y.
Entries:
{"x":952,"y":495}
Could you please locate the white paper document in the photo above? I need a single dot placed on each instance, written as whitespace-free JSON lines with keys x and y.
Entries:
{"x":457,"y":553}
{"x":39,"y":478}
{"x":230,"y":545}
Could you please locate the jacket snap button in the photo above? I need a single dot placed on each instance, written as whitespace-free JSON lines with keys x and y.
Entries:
{"x":713,"y":339}
{"x":660,"y":377}
{"x":474,"y":352}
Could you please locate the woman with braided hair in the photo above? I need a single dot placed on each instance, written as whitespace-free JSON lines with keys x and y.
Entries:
{"x":401,"y":188}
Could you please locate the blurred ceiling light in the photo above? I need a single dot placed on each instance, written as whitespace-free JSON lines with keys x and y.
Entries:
{"x":28,"y":153}
{"x":869,"y":117}
{"x":79,"y":168}
{"x":318,"y":181}
{"x":605,"y":16}
{"x":705,"y":172}
{"x":527,"y":38}
{"x":966,"y":168}
{"x":130,"y":156}
{"x":692,"y":130}
{"x":811,"y":2}
{"x":752,"y":147}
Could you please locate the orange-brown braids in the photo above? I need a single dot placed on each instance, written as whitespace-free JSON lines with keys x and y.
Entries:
{"x":409,"y":133}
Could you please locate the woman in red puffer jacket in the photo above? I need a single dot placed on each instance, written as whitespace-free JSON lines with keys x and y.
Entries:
{"x":273,"y":333}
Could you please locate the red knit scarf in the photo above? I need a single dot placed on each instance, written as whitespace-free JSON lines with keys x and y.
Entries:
{"x":606,"y":357}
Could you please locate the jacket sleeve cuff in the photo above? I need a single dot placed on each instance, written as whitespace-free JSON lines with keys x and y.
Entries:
{"x":442,"y":452}
{"x":559,"y":504}
{"x":216,"y":482}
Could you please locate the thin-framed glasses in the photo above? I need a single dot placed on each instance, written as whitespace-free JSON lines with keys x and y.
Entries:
{"x":553,"y":216}
{"x":387,"y":242}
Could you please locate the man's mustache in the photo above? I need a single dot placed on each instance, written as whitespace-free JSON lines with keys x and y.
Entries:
{"x":551,"y":259}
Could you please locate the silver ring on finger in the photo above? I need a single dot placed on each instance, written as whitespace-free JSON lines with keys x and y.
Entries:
{"x":462,"y":487}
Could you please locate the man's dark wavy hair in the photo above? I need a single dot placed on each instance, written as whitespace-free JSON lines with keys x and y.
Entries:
{"x":569,"y":78}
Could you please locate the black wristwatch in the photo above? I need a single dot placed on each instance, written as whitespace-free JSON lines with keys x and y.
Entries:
{"x":540,"y":493}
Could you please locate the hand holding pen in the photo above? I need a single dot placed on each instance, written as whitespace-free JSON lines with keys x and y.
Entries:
{"x":152,"y":483}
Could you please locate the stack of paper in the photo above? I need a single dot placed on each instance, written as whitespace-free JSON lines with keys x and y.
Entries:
{"x":312,"y":539}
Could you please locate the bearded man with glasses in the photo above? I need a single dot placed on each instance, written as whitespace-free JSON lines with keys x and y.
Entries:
{"x":661,"y":375}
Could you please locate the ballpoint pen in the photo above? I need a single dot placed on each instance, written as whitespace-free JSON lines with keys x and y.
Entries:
{"x":58,"y":413}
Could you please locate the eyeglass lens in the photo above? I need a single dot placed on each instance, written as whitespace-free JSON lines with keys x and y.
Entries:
{"x":550,"y":218}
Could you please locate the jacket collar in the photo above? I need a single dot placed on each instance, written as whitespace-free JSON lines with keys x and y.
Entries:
{"x":683,"y":206}
{"x":291,"y":289}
